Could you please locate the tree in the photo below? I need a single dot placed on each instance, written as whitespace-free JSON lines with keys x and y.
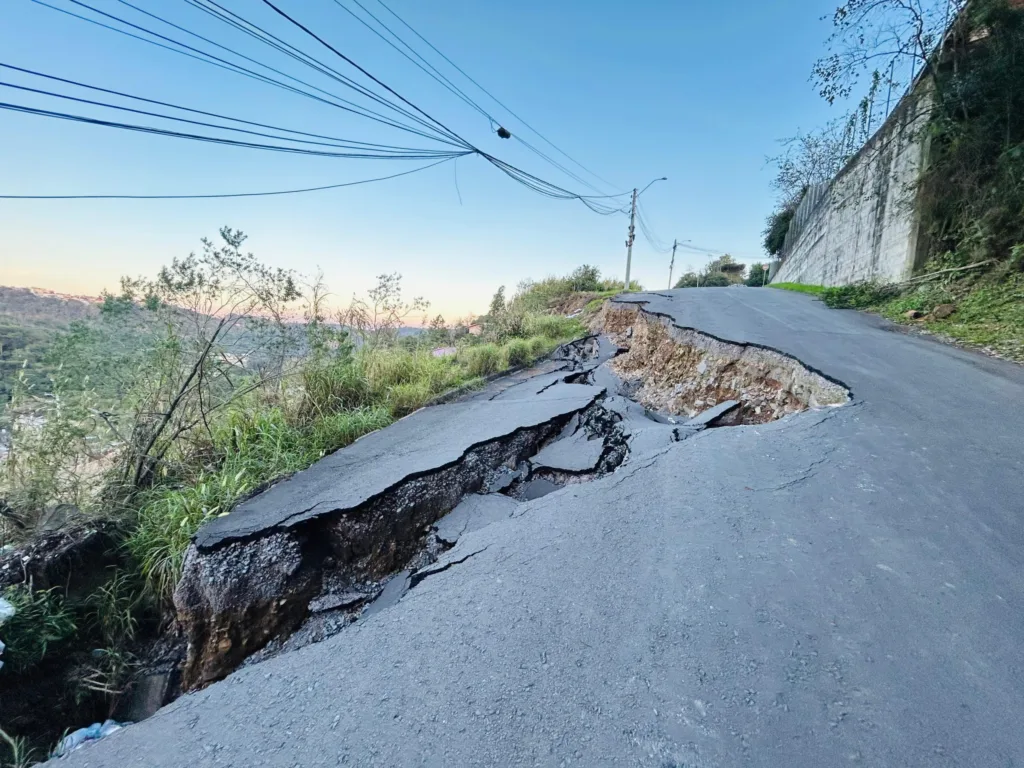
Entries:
{"x":885,"y":40}
{"x":438,"y":334}
{"x":758,"y":275}
{"x":138,"y":388}
{"x":715,"y":280}
{"x":688,"y":280}
{"x":813,"y":157}
{"x":776,"y":229}
{"x":377,"y":321}
{"x":585,"y":278}
{"x":222,"y":315}
{"x":497,"y":302}
{"x":705,"y":279}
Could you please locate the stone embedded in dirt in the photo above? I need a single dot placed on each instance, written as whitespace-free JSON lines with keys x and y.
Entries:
{"x":942,"y":311}
{"x":913,"y":314}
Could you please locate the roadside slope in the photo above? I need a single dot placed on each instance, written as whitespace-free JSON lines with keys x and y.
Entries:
{"x":843,"y":585}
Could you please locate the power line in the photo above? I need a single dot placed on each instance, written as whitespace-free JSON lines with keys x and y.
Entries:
{"x":210,"y":139}
{"x":653,"y":240}
{"x":195,"y":111}
{"x":444,"y":134}
{"x":232,"y":194}
{"x":383,"y":85}
{"x":432,"y":71}
{"x":436,"y":74}
{"x":238,"y":69}
{"x":495,"y":98}
{"x":379,"y":154}
{"x":520,"y":175}
{"x":242,"y":24}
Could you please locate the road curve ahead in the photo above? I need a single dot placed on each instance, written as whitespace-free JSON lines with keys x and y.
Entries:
{"x":841,"y":587}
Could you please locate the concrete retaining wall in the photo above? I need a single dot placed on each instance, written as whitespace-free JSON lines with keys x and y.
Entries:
{"x":863,"y":225}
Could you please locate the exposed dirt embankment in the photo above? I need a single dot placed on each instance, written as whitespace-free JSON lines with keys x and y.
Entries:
{"x":681,"y":371}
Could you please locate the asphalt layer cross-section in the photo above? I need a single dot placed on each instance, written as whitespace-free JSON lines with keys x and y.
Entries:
{"x":841,"y":587}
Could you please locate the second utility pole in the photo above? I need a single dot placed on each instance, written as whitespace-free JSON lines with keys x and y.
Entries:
{"x":629,"y":240}
{"x":672,"y":264}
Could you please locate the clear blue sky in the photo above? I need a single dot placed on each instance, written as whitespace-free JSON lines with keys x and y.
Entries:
{"x":699,"y":92}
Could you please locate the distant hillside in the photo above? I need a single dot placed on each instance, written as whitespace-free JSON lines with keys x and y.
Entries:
{"x":35,"y":306}
{"x":29,"y":318}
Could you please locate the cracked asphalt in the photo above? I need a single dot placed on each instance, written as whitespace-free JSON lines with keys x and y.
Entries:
{"x":842,"y":587}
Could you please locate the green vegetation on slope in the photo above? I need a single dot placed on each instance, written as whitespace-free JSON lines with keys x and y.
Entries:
{"x":166,"y":408}
{"x":981,"y":309}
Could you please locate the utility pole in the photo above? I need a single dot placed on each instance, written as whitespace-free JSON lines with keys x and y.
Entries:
{"x":672,"y":264}
{"x":629,"y":240}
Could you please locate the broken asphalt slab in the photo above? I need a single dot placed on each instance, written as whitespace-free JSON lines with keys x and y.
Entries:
{"x":474,"y":512}
{"x":707,"y":418}
{"x":574,"y":454}
{"x":424,"y":441}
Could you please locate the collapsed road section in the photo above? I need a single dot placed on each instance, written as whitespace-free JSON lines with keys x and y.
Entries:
{"x":351,"y":534}
{"x":682,"y":371}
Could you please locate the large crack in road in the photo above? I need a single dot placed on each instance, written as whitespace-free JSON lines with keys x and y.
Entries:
{"x":352,"y":534}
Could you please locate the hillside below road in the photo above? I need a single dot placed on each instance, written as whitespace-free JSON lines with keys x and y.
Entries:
{"x":843,"y":586}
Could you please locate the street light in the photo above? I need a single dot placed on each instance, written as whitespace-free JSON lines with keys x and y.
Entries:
{"x":632,"y":230}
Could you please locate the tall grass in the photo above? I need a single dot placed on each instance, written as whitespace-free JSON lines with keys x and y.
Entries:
{"x":483,"y":360}
{"x":519,"y":352}
{"x":257,"y":445}
{"x":40,"y":624}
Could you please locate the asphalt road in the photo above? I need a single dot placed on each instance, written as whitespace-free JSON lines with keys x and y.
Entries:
{"x":842,"y":587}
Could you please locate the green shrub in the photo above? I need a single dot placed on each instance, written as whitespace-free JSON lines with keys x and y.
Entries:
{"x":483,"y":360}
{"x":40,"y":624}
{"x":540,"y":346}
{"x":519,"y":352}
{"x":923,"y":299}
{"x":858,"y":295}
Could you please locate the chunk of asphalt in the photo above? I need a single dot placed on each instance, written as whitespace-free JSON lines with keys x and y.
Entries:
{"x":603,"y":376}
{"x":539,"y":486}
{"x":334,"y":600}
{"x":502,"y":479}
{"x":473,"y":513}
{"x":708,"y":417}
{"x":685,"y":431}
{"x":662,"y":418}
{"x":570,"y":427}
{"x":650,"y":438}
{"x":393,"y":591}
{"x":576,"y":453}
{"x":428,"y":440}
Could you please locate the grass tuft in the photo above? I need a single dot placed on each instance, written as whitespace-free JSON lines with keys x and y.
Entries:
{"x":814,"y":290}
{"x":519,"y":352}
